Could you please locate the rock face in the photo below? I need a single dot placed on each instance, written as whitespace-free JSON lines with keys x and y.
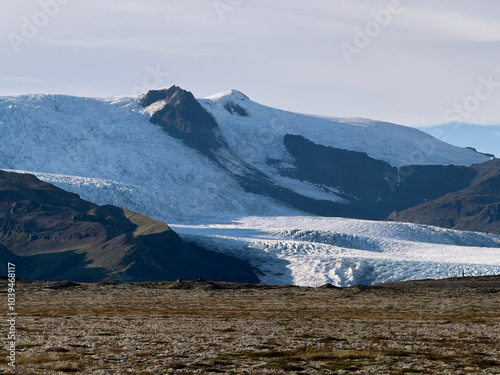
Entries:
{"x":378,"y":187}
{"x":475,"y":208}
{"x":355,"y":173}
{"x":51,"y":234}
{"x":234,"y":108}
{"x":182,"y":117}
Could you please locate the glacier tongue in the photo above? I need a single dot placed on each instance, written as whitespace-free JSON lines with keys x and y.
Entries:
{"x":312,"y":251}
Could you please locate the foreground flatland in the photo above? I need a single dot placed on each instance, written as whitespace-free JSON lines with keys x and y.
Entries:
{"x":422,"y":327}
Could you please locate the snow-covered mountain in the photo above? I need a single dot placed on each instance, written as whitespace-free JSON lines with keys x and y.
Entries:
{"x":333,"y":167}
{"x":196,"y":162}
{"x":108,"y":152}
{"x":255,"y":132}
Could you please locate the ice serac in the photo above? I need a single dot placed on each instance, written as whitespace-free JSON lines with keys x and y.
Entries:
{"x":51,"y":234}
{"x":182,"y":117}
{"x":313,"y":251}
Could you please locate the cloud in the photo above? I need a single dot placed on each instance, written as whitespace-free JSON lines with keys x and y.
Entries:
{"x":454,"y":24}
{"x":19,"y":79}
{"x":98,"y":43}
{"x":280,"y":52}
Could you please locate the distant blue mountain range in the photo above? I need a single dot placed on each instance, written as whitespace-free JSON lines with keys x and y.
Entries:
{"x":483,"y":138}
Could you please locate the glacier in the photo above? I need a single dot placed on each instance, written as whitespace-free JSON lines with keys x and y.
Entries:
{"x":312,"y":251}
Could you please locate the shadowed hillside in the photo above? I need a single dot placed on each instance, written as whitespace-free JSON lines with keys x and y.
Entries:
{"x":51,"y":234}
{"x":475,"y":208}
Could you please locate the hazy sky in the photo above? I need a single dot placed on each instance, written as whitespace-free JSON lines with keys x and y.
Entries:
{"x":417,"y":62}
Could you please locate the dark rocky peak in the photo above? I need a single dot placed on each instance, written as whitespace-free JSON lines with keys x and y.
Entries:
{"x":234,"y":108}
{"x":174,"y":95}
{"x":182,"y":117}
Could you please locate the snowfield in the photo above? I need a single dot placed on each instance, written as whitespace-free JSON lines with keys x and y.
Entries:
{"x":312,"y":251}
{"x":108,"y":152}
{"x":259,"y":136}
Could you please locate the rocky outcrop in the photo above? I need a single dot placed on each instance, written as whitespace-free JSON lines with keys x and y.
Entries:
{"x":182,"y":117}
{"x":475,"y":208}
{"x":374,"y":187}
